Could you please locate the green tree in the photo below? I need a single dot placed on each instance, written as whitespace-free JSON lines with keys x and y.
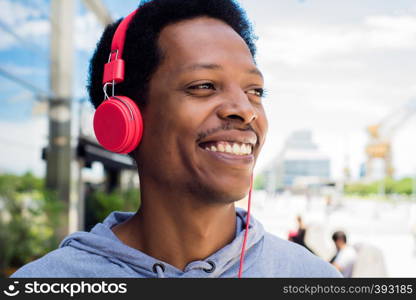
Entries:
{"x":29,"y":216}
{"x":100,"y":204}
{"x":259,"y":182}
{"x":391,"y":186}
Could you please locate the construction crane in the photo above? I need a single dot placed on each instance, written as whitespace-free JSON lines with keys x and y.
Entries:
{"x":380,"y":138}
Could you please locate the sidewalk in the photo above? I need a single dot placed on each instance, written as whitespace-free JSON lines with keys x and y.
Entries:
{"x":380,"y":224}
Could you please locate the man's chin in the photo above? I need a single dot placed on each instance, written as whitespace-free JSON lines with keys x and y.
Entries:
{"x":234,"y":188}
{"x":227,"y":196}
{"x":221,"y":189}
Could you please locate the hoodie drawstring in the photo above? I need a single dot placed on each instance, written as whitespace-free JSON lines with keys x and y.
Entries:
{"x":209,"y":267}
{"x":159,"y":269}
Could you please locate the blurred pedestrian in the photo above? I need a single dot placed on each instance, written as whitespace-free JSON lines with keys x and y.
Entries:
{"x":328,"y":205}
{"x":298,"y":236}
{"x":346,"y":255}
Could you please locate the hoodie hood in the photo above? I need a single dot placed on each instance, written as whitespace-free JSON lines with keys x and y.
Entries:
{"x":103,"y":242}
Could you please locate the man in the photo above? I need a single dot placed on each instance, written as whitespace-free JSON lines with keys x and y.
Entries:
{"x":346,"y":255}
{"x":190,"y":68}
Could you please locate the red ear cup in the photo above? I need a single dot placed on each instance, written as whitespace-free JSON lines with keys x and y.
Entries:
{"x":118,"y":124}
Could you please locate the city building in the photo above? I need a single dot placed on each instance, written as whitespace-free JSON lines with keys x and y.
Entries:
{"x":299,"y":165}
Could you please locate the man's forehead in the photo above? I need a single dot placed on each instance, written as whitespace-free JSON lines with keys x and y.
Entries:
{"x":204,"y":44}
{"x":200,"y":36}
{"x":213,"y":66}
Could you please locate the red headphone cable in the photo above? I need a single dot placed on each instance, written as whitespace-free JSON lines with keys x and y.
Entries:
{"x":243,"y":249}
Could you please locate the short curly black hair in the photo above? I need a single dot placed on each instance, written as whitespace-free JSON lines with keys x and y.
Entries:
{"x":141,"y":52}
{"x":339,"y":235}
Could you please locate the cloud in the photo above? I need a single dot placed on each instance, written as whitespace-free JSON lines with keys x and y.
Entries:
{"x":87,"y":32}
{"x":21,"y":146}
{"x":337,"y":79}
{"x":296,"y":44}
{"x":391,"y":32}
{"x":13,"y":12}
{"x":405,"y":24}
{"x":34,"y":28}
{"x":28,"y":23}
{"x":24,"y":70}
{"x":31,"y":26}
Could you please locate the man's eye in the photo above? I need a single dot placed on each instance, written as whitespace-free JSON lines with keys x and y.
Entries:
{"x":203,"y":86}
{"x":257,"y":92}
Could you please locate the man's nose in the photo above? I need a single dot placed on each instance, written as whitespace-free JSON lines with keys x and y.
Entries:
{"x":237,"y":106}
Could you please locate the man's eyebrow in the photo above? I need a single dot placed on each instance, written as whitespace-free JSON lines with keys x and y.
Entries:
{"x":196,"y":67}
{"x":256,"y":72}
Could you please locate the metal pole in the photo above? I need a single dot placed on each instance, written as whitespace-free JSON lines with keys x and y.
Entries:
{"x":58,"y":170}
{"x":100,"y":11}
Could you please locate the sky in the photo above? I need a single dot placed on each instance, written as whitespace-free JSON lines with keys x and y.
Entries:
{"x":333,"y":67}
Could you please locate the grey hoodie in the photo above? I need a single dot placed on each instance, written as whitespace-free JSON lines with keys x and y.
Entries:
{"x":99,"y":253}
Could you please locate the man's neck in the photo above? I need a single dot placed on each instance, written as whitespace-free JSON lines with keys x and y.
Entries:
{"x":342,"y":246}
{"x":177,"y":229}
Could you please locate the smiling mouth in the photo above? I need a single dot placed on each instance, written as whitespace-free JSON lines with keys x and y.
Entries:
{"x":233,"y":148}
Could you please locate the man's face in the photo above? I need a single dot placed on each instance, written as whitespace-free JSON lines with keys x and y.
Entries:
{"x":204,"y":123}
{"x":339,"y":244}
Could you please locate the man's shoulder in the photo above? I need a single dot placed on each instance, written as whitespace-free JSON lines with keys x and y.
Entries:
{"x":296,"y":260}
{"x":346,"y":255}
{"x":65,"y":262}
{"x":350,"y":250}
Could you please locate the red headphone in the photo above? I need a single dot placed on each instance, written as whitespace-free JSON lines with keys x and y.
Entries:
{"x":118,"y":123}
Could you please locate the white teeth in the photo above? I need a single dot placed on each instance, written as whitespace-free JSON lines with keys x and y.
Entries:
{"x":246,"y":149}
{"x":243,"y":149}
{"x":233,"y":148}
{"x":236,"y":149}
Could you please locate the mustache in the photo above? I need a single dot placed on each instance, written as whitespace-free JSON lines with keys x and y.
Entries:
{"x":223,"y":127}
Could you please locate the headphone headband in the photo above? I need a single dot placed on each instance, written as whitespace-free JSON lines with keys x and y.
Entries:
{"x":114,"y":68}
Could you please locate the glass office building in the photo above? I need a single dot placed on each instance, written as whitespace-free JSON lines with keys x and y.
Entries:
{"x":300,"y":163}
